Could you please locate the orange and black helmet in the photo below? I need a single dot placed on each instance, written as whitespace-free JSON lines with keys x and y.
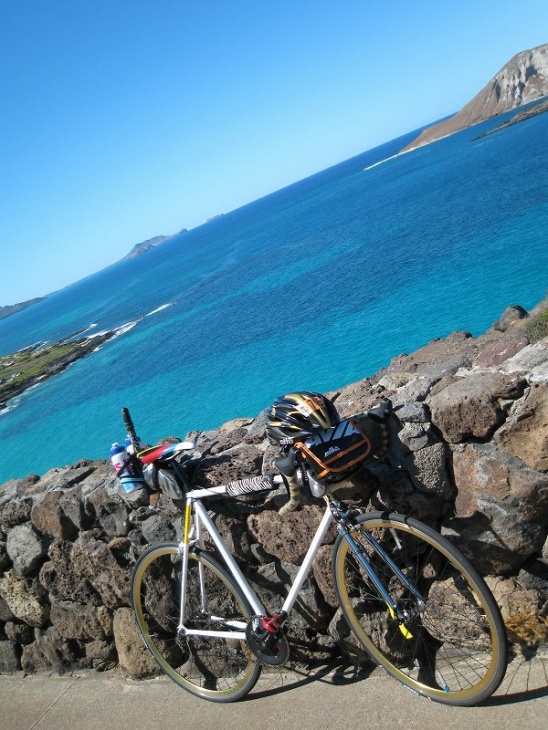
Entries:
{"x":299,"y":415}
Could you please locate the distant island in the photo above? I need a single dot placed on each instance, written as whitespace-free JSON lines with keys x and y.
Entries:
{"x":524,"y":79}
{"x":6,"y":311}
{"x":137,"y":250}
{"x":149,"y":244}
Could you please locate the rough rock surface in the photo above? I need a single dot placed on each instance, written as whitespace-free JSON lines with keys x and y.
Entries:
{"x":471,"y":458}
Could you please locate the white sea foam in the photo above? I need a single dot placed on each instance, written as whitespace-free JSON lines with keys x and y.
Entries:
{"x":159,"y":309}
{"x":16,"y":400}
{"x":117,"y":331}
{"x":125,"y":328}
{"x":381,"y":162}
{"x":10,"y":405}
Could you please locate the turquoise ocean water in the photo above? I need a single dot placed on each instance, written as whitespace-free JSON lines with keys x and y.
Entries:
{"x":313,"y":287}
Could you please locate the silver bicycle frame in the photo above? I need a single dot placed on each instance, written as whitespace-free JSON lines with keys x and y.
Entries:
{"x":201,"y":520}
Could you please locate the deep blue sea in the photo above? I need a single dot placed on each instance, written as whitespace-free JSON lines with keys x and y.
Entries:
{"x":313,"y":287}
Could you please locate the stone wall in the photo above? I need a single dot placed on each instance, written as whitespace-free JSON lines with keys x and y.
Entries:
{"x":474,"y":445}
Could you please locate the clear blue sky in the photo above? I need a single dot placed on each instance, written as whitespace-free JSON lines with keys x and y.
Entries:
{"x":124,"y":119}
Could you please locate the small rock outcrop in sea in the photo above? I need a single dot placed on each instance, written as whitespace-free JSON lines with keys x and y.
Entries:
{"x":474,"y":444}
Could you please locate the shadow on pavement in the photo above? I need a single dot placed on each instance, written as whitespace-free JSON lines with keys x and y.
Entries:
{"x":526,"y":679}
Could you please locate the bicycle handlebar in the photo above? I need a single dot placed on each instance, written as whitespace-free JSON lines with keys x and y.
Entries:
{"x":251,"y":484}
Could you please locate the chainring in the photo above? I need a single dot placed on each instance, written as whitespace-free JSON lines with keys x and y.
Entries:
{"x":270,"y":648}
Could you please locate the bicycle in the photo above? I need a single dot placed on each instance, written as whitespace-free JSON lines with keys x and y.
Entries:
{"x":411,"y":599}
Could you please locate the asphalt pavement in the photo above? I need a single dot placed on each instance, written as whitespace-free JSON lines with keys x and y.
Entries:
{"x":280,"y":701}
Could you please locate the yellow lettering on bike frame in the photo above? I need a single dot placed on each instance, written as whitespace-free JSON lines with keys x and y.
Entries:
{"x":186,"y":530}
{"x":403,"y":628}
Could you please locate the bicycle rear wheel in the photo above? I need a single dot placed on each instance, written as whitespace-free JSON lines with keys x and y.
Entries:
{"x":453,"y":647}
{"x":214,"y":668}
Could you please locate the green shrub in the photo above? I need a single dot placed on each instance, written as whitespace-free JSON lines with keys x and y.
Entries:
{"x":537,"y":328}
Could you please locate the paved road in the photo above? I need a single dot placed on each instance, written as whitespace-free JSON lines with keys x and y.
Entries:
{"x":332,"y":700}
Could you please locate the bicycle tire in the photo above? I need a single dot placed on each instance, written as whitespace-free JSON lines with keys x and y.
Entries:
{"x":454,"y":648}
{"x":213,"y":668}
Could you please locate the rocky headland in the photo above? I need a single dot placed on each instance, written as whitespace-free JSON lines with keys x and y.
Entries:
{"x":522,"y":80}
{"x":474,"y":445}
{"x":8,"y":310}
{"x":35,"y":364}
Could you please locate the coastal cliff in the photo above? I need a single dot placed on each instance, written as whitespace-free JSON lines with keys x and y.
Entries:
{"x":522,"y":80}
{"x":474,"y":447}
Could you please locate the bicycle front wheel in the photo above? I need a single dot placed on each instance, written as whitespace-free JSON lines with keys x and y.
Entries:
{"x":221,"y":669}
{"x":451,"y":646}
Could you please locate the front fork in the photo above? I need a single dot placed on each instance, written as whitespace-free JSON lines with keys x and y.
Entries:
{"x":347,"y":529}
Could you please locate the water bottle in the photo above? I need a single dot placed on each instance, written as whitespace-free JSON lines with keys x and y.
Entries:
{"x":121,"y":461}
